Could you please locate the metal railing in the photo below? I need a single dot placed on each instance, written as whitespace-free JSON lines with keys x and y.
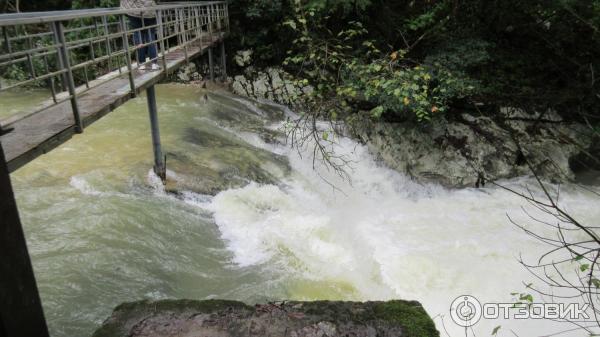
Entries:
{"x":71,"y":52}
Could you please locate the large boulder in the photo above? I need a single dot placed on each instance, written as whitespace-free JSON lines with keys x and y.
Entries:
{"x":472,"y":149}
{"x":219,"y":318}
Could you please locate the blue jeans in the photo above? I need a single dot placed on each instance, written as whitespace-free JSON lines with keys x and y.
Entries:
{"x":144,"y":36}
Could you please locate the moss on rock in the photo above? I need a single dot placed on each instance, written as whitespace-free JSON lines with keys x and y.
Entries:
{"x":224,"y":318}
{"x":410,"y":314}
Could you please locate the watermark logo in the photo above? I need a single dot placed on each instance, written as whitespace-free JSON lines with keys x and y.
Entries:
{"x":466,"y":311}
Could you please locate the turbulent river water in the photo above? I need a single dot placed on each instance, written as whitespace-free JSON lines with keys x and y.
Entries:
{"x":101,"y":230}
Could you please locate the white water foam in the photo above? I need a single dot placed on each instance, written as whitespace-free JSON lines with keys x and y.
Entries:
{"x":386,"y":235}
{"x":80,"y":184}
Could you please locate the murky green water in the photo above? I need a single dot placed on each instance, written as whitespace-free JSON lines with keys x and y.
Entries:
{"x":16,"y":101}
{"x":102,"y":230}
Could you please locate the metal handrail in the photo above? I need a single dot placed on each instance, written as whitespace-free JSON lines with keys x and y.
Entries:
{"x":104,"y":38}
{"x":26,"y":18}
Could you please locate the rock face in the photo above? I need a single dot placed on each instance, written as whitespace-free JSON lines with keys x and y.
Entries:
{"x":272,"y":84}
{"x":218,"y":318}
{"x":473,"y":149}
{"x":466,"y":151}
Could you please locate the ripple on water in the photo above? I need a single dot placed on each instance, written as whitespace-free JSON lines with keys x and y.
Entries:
{"x":102,"y":230}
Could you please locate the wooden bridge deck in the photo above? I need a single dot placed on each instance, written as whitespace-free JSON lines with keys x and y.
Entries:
{"x":40,"y":132}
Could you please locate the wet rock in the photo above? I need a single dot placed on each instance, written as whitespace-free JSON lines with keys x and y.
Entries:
{"x":586,"y":165}
{"x":187,"y":73}
{"x":217,"y":162}
{"x":472,"y":149}
{"x":272,"y":84}
{"x":195,"y":72}
{"x":219,"y":318}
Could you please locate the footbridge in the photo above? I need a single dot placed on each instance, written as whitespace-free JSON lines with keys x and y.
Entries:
{"x":85,"y":59}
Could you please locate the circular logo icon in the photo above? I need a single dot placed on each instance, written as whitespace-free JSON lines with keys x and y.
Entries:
{"x":465,"y":310}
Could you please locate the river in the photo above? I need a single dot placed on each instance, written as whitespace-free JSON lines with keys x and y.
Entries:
{"x":102,"y":230}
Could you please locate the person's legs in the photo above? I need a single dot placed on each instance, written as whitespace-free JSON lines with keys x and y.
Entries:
{"x":151,"y":37}
{"x":136,"y":23}
{"x":152,"y":50}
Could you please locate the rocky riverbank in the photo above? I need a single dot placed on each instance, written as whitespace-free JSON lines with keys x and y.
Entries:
{"x":471,"y":150}
{"x":219,"y":318}
{"x":468,"y":150}
{"x":272,"y":84}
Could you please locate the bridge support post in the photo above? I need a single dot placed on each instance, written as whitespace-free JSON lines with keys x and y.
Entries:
{"x":223,"y":62}
{"x":160,"y":167}
{"x":211,"y":64}
{"x":21,"y":312}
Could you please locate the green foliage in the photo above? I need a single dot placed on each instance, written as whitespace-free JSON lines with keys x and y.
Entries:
{"x":333,"y":6}
{"x":523,"y":299}
{"x":256,"y":27}
{"x":410,"y":315}
{"x":349,"y":67}
{"x":80,"y":4}
{"x":418,"y":91}
{"x":14,"y":72}
{"x":447,"y":55}
{"x":428,"y":18}
{"x":461,"y":55}
{"x":21,"y":71}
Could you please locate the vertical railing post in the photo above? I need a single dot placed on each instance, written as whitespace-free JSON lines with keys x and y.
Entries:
{"x":50,"y":80}
{"x":209,"y":22}
{"x":198,"y":20}
{"x":31,"y":66}
{"x":7,"y":44}
{"x":218,"y":7}
{"x":160,"y":167}
{"x":183,"y":33}
{"x":223,"y":62}
{"x":161,"y":39}
{"x":168,"y":24}
{"x":59,"y":60}
{"x":107,"y":42}
{"x":125,"y":38}
{"x":176,"y":25}
{"x":21,"y":312}
{"x":227,"y":17}
{"x":64,"y":55}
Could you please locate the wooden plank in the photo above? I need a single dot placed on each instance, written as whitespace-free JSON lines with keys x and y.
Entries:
{"x":39,"y":133}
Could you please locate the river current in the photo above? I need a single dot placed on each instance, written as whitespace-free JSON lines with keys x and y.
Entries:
{"x":103,"y":230}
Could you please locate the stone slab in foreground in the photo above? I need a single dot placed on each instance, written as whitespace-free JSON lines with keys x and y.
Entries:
{"x":219,"y":318}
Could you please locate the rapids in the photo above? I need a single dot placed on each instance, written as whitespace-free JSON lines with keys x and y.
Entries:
{"x":102,"y":230}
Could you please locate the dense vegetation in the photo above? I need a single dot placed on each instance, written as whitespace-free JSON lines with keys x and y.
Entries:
{"x":419,"y":59}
